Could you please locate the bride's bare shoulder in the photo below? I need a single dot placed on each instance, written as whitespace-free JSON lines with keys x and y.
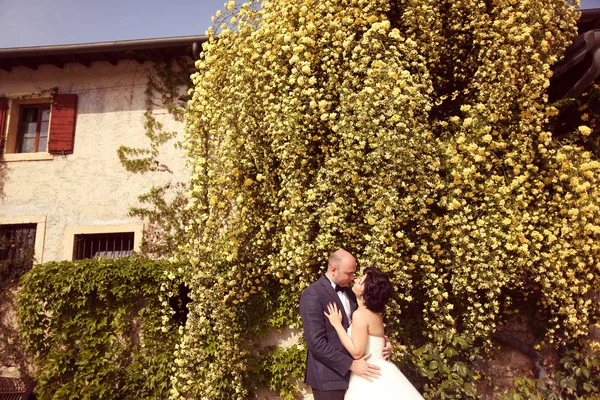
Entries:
{"x":363,"y":314}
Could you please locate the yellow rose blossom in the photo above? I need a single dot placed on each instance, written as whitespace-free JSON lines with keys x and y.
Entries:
{"x":584,"y":130}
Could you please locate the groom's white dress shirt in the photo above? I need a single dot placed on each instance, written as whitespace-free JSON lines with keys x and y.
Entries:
{"x":345,"y":301}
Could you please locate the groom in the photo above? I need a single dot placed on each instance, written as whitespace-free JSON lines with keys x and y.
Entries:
{"x":328,"y":364}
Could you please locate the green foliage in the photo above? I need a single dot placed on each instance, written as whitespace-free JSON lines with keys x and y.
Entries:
{"x":96,"y":328}
{"x":445,"y":362}
{"x":529,"y":389}
{"x":577,"y":378}
{"x":279,"y":369}
{"x":165,"y":215}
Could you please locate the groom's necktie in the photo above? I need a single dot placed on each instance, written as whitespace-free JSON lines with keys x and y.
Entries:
{"x":339,"y":288}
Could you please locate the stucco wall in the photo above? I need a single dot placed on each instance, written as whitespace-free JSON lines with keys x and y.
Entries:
{"x":89,"y":187}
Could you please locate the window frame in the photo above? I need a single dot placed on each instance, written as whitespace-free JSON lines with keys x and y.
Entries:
{"x":20,"y":134}
{"x":72,"y":231}
{"x":40,"y":231}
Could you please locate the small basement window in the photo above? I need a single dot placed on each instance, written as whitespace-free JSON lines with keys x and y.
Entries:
{"x":109,"y":245}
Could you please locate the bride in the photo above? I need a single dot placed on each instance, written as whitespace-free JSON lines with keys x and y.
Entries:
{"x":366,"y":335}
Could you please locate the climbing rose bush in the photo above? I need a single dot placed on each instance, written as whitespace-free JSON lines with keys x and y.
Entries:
{"x":415,"y":135}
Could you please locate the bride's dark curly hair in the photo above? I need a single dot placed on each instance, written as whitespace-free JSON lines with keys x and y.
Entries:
{"x":377,"y":289}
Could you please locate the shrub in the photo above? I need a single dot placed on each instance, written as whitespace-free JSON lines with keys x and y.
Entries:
{"x":445,"y":363}
{"x":96,"y":328}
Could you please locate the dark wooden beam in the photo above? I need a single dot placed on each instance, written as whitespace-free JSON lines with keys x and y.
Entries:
{"x":110,"y":59}
{"x":80,"y":60}
{"x":111,"y":52}
{"x":26,"y":63}
{"x":57,"y":62}
{"x":144,"y":55}
{"x":139,"y":59}
{"x":159,"y":54}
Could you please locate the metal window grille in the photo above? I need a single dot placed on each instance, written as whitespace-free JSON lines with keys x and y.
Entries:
{"x":11,"y":389}
{"x":17,"y":242}
{"x":109,"y":245}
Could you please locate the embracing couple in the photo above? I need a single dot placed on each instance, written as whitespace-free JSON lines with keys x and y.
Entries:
{"x":348,"y":354}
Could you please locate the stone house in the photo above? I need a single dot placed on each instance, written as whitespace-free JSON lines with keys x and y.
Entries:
{"x":64,"y":112}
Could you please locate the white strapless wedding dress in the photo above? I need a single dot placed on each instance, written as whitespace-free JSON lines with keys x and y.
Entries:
{"x":392,"y":384}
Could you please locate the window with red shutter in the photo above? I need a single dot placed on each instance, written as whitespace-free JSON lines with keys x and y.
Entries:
{"x":62,"y":124}
{"x":38,"y":126}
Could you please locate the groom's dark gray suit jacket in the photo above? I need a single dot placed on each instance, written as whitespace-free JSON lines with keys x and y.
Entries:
{"x":327,"y":362}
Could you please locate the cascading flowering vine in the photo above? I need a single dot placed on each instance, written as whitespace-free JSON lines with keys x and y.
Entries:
{"x":411,"y":133}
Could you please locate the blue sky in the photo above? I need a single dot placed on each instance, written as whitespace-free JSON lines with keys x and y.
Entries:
{"x":48,"y":22}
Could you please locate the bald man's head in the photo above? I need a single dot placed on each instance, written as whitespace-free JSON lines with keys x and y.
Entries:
{"x":341,"y":267}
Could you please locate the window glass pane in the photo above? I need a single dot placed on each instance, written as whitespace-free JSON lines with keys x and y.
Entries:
{"x":28,"y":129}
{"x":46,"y":113}
{"x":42,"y":143}
{"x":30,"y":114}
{"x":43,"y":140}
{"x":27,"y":145}
{"x":44,"y":128}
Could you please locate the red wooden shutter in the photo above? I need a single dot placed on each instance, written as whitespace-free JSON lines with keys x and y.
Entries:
{"x":62,"y":124}
{"x":3,"y":108}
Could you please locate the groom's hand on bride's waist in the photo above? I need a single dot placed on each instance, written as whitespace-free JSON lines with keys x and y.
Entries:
{"x":362,"y":368}
{"x":387,"y":350}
